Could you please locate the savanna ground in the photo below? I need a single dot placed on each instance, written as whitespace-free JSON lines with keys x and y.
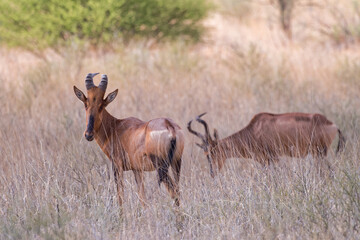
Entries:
{"x":56,"y":185}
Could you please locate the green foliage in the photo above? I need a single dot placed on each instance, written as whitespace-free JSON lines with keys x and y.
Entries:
{"x":37,"y":24}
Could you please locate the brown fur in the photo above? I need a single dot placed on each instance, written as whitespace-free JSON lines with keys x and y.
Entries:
{"x":132,"y":144}
{"x":269,"y":136}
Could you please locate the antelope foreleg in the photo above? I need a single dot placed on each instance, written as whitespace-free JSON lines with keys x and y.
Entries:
{"x":119,"y":177}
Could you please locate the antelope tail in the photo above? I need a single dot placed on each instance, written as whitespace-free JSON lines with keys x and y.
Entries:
{"x":164,"y":166}
{"x":172,"y":148}
{"x":341,"y":144}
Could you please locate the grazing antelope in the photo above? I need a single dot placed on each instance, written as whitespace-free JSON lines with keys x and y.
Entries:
{"x":132,"y":144}
{"x":269,"y":136}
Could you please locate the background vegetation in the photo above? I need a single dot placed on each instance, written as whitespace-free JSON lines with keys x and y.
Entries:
{"x":56,"y":185}
{"x":36,"y":25}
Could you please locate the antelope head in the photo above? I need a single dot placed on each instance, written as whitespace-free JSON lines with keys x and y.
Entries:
{"x":208,"y":144}
{"x":94,"y":103}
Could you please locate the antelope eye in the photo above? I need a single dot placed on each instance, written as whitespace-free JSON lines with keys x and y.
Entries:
{"x":101,"y":107}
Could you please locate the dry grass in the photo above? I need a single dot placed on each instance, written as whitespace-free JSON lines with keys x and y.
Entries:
{"x":56,"y":185}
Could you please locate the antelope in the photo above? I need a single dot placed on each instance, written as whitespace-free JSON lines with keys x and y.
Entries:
{"x":269,"y":136}
{"x":132,"y":144}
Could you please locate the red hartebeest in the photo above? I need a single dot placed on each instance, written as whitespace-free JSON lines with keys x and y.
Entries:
{"x":132,"y":144}
{"x":269,"y":136}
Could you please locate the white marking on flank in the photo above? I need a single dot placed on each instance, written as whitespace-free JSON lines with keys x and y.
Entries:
{"x":158,"y":133}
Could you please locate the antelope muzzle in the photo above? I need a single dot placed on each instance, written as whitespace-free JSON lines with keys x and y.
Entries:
{"x":212,"y":173}
{"x":89,"y":133}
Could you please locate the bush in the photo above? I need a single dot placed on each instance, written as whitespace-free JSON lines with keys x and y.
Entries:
{"x":37,"y":24}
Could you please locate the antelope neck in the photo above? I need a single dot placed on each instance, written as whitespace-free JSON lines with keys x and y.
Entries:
{"x":232,"y":146}
{"x":106,"y":129}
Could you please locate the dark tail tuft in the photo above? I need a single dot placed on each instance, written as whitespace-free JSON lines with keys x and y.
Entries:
{"x":341,"y":144}
{"x":164,"y":166}
{"x":172,"y":150}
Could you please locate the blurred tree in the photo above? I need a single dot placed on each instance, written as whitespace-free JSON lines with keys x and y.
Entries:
{"x":286,"y":9}
{"x":38,"y":24}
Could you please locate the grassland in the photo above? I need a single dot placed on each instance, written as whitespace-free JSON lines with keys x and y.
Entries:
{"x":56,"y":185}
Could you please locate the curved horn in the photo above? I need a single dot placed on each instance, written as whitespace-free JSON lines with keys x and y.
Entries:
{"x":205,"y":139}
{"x":89,"y":82}
{"x":207,"y":134}
{"x":202,"y":137}
{"x":104,"y":82}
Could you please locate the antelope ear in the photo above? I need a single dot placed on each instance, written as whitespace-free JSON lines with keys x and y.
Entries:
{"x":110,"y":97}
{"x":79,"y":94}
{"x":216,"y":135}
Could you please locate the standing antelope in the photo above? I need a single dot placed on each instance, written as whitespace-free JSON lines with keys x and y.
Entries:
{"x":269,"y":136}
{"x":132,"y":144}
